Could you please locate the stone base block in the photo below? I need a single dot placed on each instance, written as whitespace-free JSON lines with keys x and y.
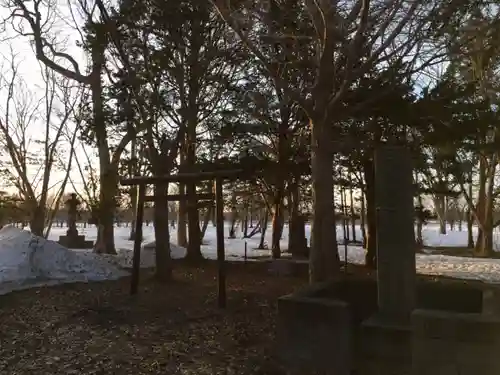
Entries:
{"x":314,"y":334}
{"x":491,"y":300}
{"x":448,"y":343}
{"x":77,"y":242}
{"x":385,"y":348}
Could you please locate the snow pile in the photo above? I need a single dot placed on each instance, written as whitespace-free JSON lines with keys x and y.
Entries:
{"x":176,"y":251}
{"x":125,"y":256}
{"x":27,"y":260}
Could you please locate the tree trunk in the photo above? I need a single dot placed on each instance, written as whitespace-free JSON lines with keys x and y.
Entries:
{"x":133,"y":189}
{"x":460,"y":219}
{"x":442,"y":226}
{"x":193,"y":83}
{"x":419,"y":240}
{"x":371,"y":215}
{"x":232,"y":229}
{"x":181,"y":220}
{"x":214,"y":219}
{"x":324,"y":262}
{"x":420,"y":223}
{"x":345,"y":214}
{"x":484,"y":244}
{"x":250,"y":214}
{"x":194,"y":233}
{"x":362,"y":215}
{"x":297,"y":242}
{"x":206,"y":219}
{"x":133,"y":198}
{"x":234,"y":218}
{"x":163,"y":272}
{"x":480,"y":203}
{"x":264,"y":219}
{"x":281,"y":177}
{"x":277,"y":224}
{"x":108,"y":172}
{"x":451,"y":223}
{"x":440,"y":205}
{"x":470,"y":226}
{"x":106,"y":210}
{"x":345,"y":228}
{"x":37,"y":222}
{"x":245,"y":221}
{"x":353,"y":214}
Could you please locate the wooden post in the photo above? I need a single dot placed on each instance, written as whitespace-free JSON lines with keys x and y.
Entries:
{"x":219,"y":212}
{"x":136,"y":261}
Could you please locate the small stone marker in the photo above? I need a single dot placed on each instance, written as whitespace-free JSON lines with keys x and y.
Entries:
{"x":72,"y":239}
{"x":72,"y":204}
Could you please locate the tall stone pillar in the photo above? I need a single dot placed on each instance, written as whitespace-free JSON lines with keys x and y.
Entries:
{"x":386,"y":337}
{"x":394,"y":191}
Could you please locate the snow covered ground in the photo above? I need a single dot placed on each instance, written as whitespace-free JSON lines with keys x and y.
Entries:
{"x":460,"y":267}
{"x":25,"y":262}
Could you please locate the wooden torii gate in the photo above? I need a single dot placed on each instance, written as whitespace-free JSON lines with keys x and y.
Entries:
{"x":218,"y":177}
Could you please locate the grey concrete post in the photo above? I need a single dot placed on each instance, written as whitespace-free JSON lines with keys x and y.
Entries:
{"x":395,"y":233}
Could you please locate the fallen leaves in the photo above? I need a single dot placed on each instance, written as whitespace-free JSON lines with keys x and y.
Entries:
{"x":98,"y":328}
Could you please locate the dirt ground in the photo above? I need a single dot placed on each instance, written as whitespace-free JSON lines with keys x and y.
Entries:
{"x":98,"y":328}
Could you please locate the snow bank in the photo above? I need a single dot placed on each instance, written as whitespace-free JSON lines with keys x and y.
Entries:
{"x":27,"y":260}
{"x":176,"y":252}
{"x":124,"y":255}
{"x":148,"y":254}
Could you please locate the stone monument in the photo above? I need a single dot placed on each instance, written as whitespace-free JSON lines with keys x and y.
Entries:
{"x":388,"y":333}
{"x":319,"y":327}
{"x":72,"y":239}
{"x":394,"y":194}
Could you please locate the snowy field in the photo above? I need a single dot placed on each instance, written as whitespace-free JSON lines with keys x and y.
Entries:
{"x":460,"y":267}
{"x":27,"y":261}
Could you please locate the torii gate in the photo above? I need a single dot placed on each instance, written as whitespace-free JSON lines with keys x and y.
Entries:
{"x":218,"y":177}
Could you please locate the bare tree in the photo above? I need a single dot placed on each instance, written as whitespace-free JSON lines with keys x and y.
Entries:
{"x":337,"y":43}
{"x":37,"y":135}
{"x":36,"y":21}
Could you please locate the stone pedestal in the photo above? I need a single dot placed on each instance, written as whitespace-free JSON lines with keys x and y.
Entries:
{"x":385,"y":347}
{"x":491,"y":301}
{"x":447,"y":343}
{"x":75,"y":242}
{"x":315,"y":333}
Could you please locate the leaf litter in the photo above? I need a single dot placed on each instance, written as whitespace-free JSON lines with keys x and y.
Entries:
{"x":97,"y":328}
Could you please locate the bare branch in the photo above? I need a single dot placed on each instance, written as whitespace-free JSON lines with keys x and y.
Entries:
{"x":44,"y":47}
{"x":32,"y":136}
